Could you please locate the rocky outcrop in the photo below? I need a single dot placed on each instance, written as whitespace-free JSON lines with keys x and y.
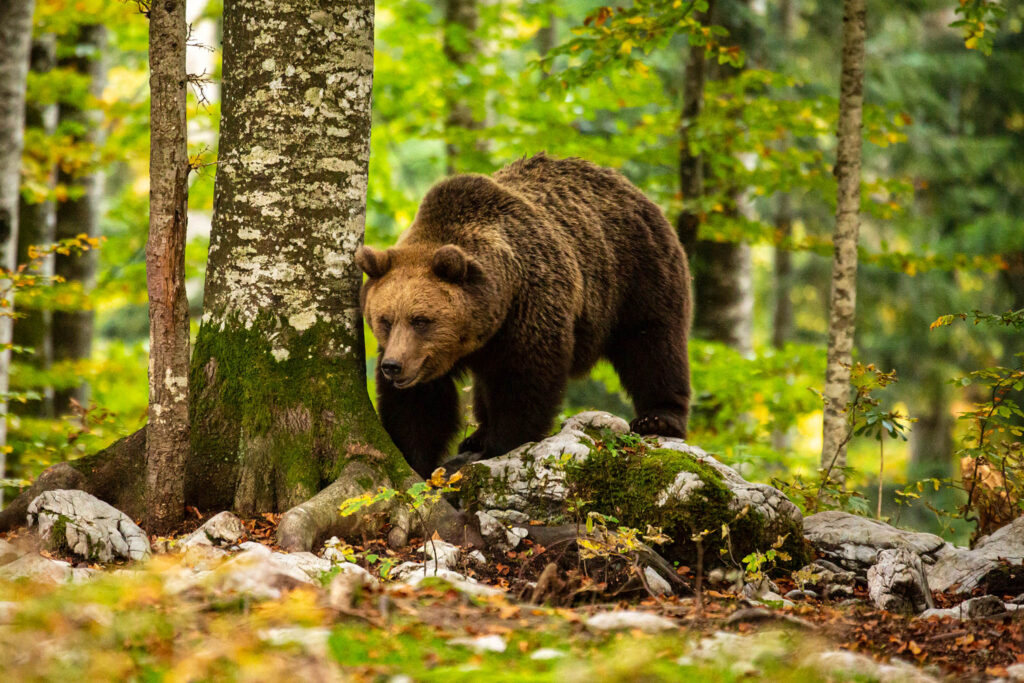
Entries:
{"x":854,"y":542}
{"x":996,"y":561}
{"x":86,"y":526}
{"x":663,"y":482}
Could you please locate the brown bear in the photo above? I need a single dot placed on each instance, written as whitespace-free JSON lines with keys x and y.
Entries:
{"x":525,"y":279}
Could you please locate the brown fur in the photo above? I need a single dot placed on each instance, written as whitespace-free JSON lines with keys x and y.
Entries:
{"x":525,"y":279}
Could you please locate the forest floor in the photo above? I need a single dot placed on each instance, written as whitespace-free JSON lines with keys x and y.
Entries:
{"x":133,"y":625}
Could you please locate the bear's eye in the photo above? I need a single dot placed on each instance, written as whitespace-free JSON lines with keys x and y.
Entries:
{"x":421,"y":322}
{"x":385,"y":325}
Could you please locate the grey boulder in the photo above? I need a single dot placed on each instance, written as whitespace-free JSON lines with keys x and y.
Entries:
{"x":86,"y":526}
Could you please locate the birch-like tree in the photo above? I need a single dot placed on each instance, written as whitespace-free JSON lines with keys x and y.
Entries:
{"x":280,"y":417}
{"x":15,"y":40}
{"x":167,"y":442}
{"x":843,"y":294}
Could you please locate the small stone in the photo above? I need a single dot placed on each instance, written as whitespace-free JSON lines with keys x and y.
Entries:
{"x":343,"y":589}
{"x":801,"y":595}
{"x":1015,"y":672}
{"x":975,"y":608}
{"x":656,"y":582}
{"x":222,"y":529}
{"x":545,"y":653}
{"x":478,"y":557}
{"x":630,"y":619}
{"x":481,"y":644}
{"x":445,"y":555}
{"x":897,"y":582}
{"x":312,"y":640}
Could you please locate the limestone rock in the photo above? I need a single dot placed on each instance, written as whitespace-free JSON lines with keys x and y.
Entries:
{"x":223,"y":529}
{"x":656,"y":582}
{"x":974,"y":608}
{"x":854,"y":542}
{"x":696,"y":491}
{"x":847,"y":664}
{"x":37,"y":568}
{"x":996,"y":560}
{"x":445,"y":555}
{"x":629,"y":619}
{"x":897,"y":582}
{"x":480,"y":644}
{"x":86,"y":526}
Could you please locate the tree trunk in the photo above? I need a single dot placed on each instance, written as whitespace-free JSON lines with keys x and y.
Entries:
{"x":36,"y":225}
{"x":73,"y":329}
{"x":843,"y":295}
{"x":15,"y":39}
{"x":691,"y":164}
{"x":167,"y":438}
{"x":280,"y":417}
{"x":782,"y":316}
{"x":931,"y":439}
{"x":722,"y":275}
{"x":461,"y":48}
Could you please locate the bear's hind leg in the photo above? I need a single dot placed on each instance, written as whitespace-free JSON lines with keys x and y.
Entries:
{"x":653,"y":366}
{"x":421,"y":420}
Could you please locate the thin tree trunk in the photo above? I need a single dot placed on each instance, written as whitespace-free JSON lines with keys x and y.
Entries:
{"x":782,"y":316}
{"x":15,"y":39}
{"x":73,"y":329}
{"x":36,"y":226}
{"x":722,"y":271}
{"x":167,"y":442}
{"x":931,"y":440}
{"x":461,"y":48}
{"x":691,"y":164}
{"x":843,"y":295}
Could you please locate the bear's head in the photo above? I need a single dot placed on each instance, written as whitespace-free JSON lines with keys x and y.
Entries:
{"x":426,"y":305}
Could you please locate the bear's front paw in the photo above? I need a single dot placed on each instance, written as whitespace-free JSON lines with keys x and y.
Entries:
{"x":658,"y":425}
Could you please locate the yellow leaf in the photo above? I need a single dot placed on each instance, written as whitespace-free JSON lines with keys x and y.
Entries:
{"x":626,"y":47}
{"x":635,"y":20}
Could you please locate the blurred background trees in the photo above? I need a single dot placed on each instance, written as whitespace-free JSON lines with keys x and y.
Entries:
{"x":469,"y":85}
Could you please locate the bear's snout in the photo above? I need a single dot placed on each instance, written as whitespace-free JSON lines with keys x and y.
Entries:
{"x":390,"y":368}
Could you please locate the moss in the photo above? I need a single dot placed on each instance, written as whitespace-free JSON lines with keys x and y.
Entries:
{"x":365,"y":483}
{"x":624,"y":478}
{"x":309,"y":409}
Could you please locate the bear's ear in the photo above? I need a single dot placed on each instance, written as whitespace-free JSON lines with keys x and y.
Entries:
{"x":373,"y":262}
{"x":451,"y":264}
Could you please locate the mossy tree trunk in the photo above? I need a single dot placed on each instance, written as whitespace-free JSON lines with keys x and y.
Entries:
{"x":280,"y":417}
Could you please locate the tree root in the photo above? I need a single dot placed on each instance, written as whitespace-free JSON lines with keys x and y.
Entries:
{"x":116,"y":475}
{"x":309,"y":523}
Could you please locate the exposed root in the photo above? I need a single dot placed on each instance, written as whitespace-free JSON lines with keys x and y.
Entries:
{"x":115,"y":475}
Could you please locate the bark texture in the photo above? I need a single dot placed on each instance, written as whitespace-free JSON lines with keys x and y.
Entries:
{"x":73,"y":329}
{"x":280,"y":418}
{"x":167,"y":445}
{"x":461,"y":48}
{"x":843,"y":294}
{"x":15,"y":39}
{"x":36,"y":226}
